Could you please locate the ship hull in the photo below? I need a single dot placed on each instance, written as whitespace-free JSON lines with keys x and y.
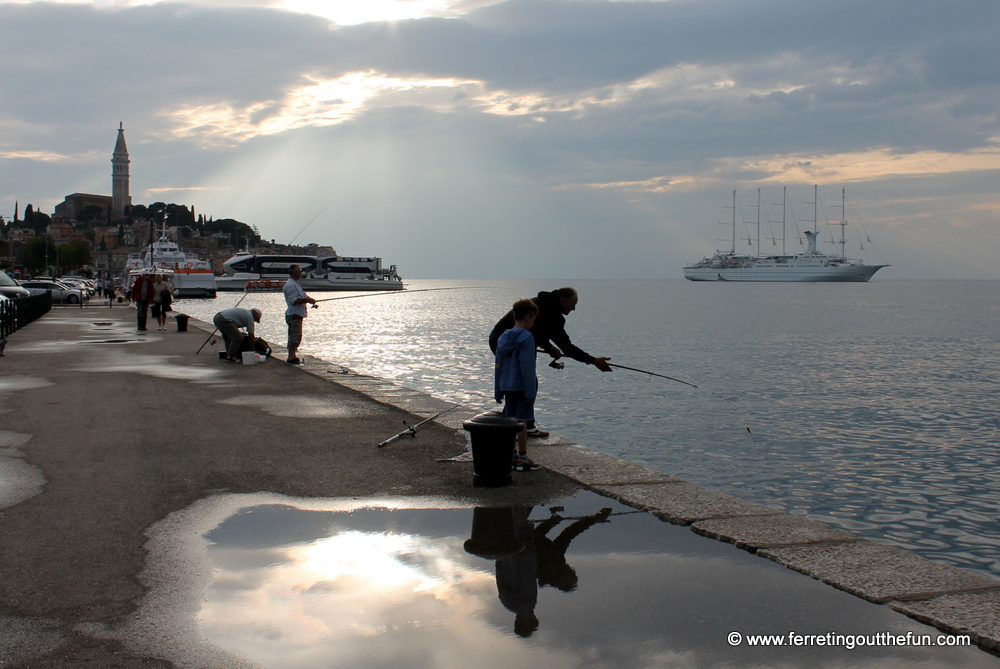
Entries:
{"x":194,"y":283}
{"x":845,"y":273}
{"x":266,"y":283}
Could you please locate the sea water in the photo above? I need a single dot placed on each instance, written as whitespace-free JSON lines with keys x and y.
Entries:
{"x":871,"y":407}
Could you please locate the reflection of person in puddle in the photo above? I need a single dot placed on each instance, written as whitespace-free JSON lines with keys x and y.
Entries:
{"x":516,"y":577}
{"x":552,"y":566}
{"x":541,"y":563}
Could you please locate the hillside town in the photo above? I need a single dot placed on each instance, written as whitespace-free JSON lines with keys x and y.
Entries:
{"x":95,"y":235}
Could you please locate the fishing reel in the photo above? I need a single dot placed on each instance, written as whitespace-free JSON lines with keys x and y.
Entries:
{"x":555,"y":364}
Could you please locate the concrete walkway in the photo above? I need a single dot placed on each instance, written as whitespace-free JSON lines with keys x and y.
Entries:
{"x":105,"y":431}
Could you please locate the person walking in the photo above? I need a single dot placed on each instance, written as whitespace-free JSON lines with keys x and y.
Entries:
{"x":549,"y":331}
{"x":296,"y":301}
{"x":142,"y":292}
{"x":162,"y":298}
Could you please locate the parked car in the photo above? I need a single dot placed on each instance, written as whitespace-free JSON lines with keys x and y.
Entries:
{"x":60,"y":291}
{"x":10,"y":288}
{"x":77,"y":282}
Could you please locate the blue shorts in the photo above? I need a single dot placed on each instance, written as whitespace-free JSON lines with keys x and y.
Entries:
{"x":517,"y":406}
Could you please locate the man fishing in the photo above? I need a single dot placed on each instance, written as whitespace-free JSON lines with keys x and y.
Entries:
{"x":550,"y":335}
{"x":296,"y":299}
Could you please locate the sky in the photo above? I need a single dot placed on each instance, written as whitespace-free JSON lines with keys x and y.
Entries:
{"x":536,"y":139}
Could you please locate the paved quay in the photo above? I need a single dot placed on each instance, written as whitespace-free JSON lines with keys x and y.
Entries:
{"x":108,"y":435}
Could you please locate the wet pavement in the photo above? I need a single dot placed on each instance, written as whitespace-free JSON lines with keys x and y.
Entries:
{"x":160,"y":508}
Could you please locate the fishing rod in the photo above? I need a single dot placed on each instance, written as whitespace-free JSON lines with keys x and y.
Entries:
{"x":643,"y":371}
{"x":306,"y":226}
{"x":394,"y":292}
{"x":412,"y":429}
{"x":664,"y":376}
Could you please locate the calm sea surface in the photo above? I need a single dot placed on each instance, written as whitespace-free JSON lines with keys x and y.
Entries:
{"x":872,"y":407}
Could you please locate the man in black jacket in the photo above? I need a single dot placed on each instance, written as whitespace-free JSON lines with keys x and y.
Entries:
{"x":550,"y":335}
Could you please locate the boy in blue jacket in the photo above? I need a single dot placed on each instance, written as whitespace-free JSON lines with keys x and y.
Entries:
{"x":515,"y":382}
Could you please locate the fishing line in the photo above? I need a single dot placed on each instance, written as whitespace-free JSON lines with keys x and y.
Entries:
{"x":306,"y":226}
{"x":249,"y":290}
{"x":397,"y":292}
{"x":664,"y":376}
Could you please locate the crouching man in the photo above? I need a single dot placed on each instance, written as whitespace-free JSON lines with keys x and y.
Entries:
{"x":230,"y":322}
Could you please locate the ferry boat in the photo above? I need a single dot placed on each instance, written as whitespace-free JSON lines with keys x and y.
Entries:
{"x":250,"y":271}
{"x":810,"y":265}
{"x":192,"y":276}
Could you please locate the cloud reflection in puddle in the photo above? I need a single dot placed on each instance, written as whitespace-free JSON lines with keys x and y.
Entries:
{"x":270,"y":581}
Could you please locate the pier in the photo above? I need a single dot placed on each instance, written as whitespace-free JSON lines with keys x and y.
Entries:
{"x":117,"y":447}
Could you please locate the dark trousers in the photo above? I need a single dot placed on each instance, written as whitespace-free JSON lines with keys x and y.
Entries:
{"x":141,"y":313}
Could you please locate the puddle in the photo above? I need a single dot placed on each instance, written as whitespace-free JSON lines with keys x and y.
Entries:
{"x":111,"y":332}
{"x":302,"y":406}
{"x":282,"y":583}
{"x":10,"y":384}
{"x":152,"y":365}
{"x":19,"y":480}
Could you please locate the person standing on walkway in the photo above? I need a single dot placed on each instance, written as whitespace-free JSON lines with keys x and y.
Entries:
{"x":550,"y":335}
{"x":296,"y":299}
{"x":230,"y":322}
{"x":514,"y":377}
{"x":142,"y":293}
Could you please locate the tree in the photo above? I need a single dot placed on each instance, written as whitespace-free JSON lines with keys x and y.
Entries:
{"x":75,"y":254}
{"x":32,"y":253}
{"x":36,"y":220}
{"x":92,"y":213}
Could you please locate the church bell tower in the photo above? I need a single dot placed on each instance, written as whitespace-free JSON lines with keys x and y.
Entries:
{"x":120,"y":199}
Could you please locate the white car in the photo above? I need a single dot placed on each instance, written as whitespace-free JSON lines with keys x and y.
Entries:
{"x":60,"y":291}
{"x":77,"y":282}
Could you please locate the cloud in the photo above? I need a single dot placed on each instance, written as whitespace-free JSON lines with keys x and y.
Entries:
{"x":496,"y":111}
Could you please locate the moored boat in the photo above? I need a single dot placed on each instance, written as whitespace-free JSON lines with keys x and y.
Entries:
{"x":250,"y":271}
{"x":192,"y":276}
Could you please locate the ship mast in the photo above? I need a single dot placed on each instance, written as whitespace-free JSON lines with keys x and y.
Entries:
{"x":843,"y":223}
{"x":784,"y":202}
{"x":733,"y":250}
{"x":758,"y":222}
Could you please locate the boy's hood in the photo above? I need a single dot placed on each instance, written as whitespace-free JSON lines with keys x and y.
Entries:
{"x":511,"y":339}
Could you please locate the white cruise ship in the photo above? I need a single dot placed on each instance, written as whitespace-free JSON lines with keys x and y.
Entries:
{"x":248,"y":271}
{"x":810,"y":265}
{"x":192,"y":276}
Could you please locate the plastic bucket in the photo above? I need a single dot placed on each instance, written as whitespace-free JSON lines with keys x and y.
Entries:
{"x":493,"y":436}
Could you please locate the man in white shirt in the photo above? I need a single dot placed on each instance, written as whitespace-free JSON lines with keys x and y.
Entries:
{"x":296,"y":299}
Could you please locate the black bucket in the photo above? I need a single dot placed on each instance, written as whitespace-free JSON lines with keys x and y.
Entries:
{"x":493,"y":436}
{"x":182,"y":322}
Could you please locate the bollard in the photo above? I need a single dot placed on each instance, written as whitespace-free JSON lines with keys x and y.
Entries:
{"x":182,"y":322}
{"x":493,"y":437}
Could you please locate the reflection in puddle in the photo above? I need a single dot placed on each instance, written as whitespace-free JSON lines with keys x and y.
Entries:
{"x":152,"y":365}
{"x":17,"y":383}
{"x":300,"y":406}
{"x":585,"y":583}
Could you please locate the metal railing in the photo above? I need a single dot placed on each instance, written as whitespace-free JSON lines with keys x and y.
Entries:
{"x":17,"y":312}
